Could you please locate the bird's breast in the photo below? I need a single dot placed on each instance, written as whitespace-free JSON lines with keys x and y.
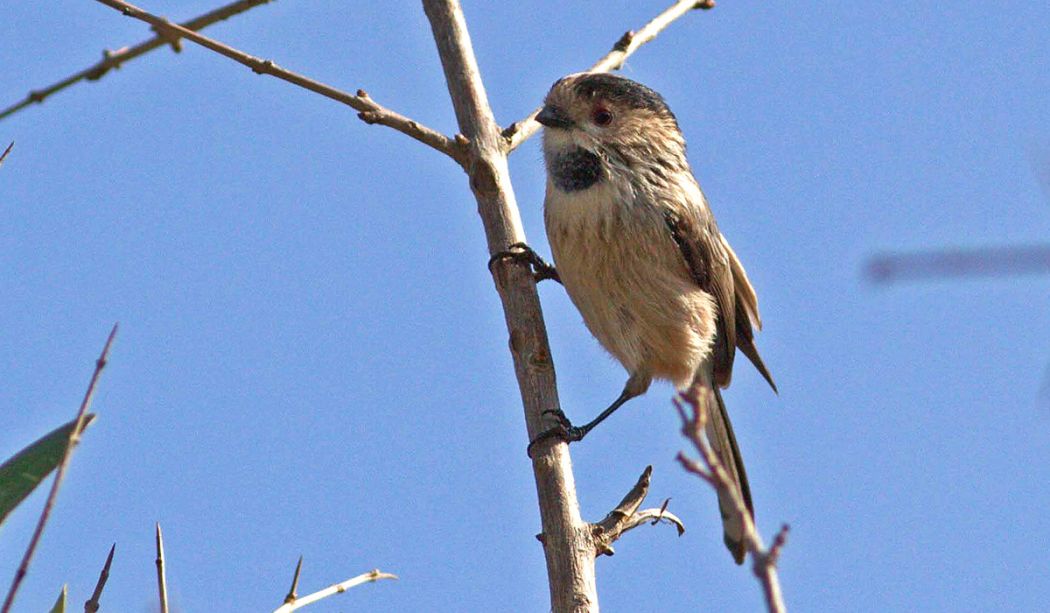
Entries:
{"x":625,"y":275}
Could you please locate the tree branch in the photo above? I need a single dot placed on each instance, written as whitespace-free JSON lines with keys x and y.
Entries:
{"x":92,"y":604}
{"x":370,"y":111}
{"x":162,"y":581}
{"x":114,"y":59}
{"x":626,"y":516}
{"x":566,"y":537}
{"x":520,"y":131}
{"x":710,"y":469}
{"x":60,"y":473}
{"x":291,"y":603}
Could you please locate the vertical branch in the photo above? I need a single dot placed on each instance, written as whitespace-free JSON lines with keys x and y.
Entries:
{"x":568,"y":545}
{"x":162,"y":582}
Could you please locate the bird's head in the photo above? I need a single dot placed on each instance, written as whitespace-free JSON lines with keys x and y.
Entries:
{"x":601,"y":112}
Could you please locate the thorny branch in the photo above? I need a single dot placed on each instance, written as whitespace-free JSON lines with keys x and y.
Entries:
{"x":293,"y":603}
{"x":710,"y":469}
{"x":92,"y":605}
{"x":114,"y":59}
{"x":371,"y":112}
{"x":520,"y":131}
{"x":74,"y":438}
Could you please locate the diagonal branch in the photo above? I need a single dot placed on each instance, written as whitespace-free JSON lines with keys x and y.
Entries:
{"x":60,"y":473}
{"x":291,"y":603}
{"x":114,"y":59}
{"x":710,"y":469}
{"x":520,"y":131}
{"x":370,"y":111}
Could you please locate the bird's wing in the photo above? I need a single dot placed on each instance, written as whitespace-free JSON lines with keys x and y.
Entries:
{"x":716,"y":269}
{"x":700,"y":244}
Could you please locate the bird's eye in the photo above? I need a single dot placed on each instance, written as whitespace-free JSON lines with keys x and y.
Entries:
{"x":602,"y":117}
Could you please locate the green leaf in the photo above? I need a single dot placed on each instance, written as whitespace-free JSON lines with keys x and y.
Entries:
{"x":20,"y":475}
{"x":60,"y":604}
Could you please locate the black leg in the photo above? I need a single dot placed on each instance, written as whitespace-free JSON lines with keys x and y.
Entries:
{"x":541,"y":270}
{"x":570,"y":433}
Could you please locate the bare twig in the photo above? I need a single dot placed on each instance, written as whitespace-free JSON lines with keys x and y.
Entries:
{"x":290,"y":598}
{"x":370,"y":111}
{"x":626,"y":516}
{"x":114,"y":59}
{"x":993,"y":261}
{"x":162,"y":582}
{"x":710,"y":469}
{"x":91,"y":606}
{"x":338,"y":588}
{"x":3,"y":155}
{"x":520,"y":131}
{"x":60,"y":473}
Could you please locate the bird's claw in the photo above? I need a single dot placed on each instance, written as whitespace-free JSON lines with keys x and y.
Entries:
{"x":541,"y":270}
{"x":564,"y":431}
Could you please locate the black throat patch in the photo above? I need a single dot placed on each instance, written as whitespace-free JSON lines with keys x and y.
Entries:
{"x":575,"y":169}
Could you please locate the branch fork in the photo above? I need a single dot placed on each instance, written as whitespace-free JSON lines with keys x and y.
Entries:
{"x":626,"y":516}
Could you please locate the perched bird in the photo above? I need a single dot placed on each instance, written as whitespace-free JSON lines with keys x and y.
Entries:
{"x":640,"y":255}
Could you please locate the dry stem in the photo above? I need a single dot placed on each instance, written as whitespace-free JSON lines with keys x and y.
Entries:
{"x":114,"y":59}
{"x":162,"y":582}
{"x":338,"y":588}
{"x":710,"y":469}
{"x":60,"y":473}
{"x":520,"y":131}
{"x":91,"y":606}
{"x":370,"y":111}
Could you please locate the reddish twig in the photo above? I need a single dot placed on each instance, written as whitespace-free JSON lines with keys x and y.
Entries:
{"x":710,"y":469}
{"x":74,"y":438}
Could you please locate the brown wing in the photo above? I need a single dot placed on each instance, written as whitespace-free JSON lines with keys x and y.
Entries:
{"x":716,"y":269}
{"x":700,"y":244}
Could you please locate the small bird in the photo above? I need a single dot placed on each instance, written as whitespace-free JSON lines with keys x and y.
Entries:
{"x":638,"y":251}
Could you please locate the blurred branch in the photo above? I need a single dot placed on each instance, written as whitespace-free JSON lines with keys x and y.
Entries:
{"x":60,"y":473}
{"x":710,"y":469}
{"x":291,"y":603}
{"x":370,"y":111}
{"x":162,"y":581}
{"x":995,"y":261}
{"x":3,"y":155}
{"x":91,"y":606}
{"x":114,"y":59}
{"x":520,"y":131}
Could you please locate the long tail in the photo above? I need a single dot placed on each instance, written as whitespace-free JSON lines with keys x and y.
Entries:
{"x":720,"y":434}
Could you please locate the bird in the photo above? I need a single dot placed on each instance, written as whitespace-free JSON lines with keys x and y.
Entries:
{"x":637,"y":249}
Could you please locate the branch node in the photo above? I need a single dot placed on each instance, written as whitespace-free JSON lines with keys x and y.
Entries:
{"x":705,"y":5}
{"x":369,"y":117}
{"x":36,"y":96}
{"x":362,"y":94}
{"x":461,"y":140}
{"x":624,"y":42}
{"x":168,"y":35}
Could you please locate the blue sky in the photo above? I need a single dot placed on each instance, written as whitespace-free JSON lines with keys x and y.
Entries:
{"x":312,"y":357}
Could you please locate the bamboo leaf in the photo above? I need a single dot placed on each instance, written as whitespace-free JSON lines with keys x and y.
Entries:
{"x":20,"y":475}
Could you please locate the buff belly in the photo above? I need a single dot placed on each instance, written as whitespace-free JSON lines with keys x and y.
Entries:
{"x":625,"y":275}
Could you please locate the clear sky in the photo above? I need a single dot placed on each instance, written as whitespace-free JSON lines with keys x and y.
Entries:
{"x":313,"y":360}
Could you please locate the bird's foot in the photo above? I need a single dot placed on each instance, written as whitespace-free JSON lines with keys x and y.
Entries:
{"x":521,"y":252}
{"x":564,"y":431}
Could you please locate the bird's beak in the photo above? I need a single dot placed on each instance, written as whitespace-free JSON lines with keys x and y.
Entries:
{"x":554,"y":117}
